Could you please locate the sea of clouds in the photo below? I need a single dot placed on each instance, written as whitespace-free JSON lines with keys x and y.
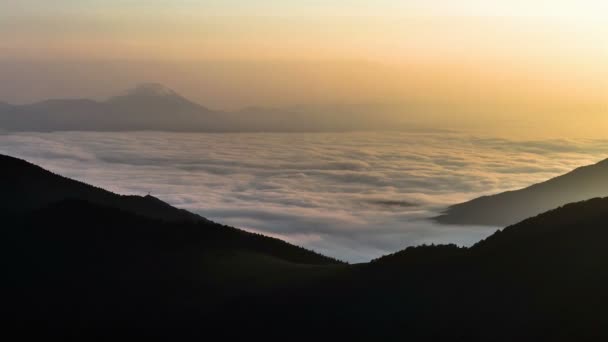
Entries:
{"x":354,"y":196}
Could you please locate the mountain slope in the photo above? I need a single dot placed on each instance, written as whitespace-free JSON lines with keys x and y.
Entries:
{"x":541,"y":279}
{"x":146,"y":107}
{"x":76,"y":268}
{"x":513,"y":206}
{"x":86,"y":261}
{"x":27,"y":188}
{"x":81,"y":267}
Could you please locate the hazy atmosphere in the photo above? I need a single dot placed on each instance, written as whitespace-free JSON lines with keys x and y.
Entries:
{"x":513,"y":67}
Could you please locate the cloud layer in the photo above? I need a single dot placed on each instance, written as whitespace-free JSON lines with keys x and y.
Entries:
{"x":354,"y":196}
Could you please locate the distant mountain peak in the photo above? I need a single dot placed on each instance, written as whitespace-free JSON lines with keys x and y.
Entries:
{"x":151,"y":89}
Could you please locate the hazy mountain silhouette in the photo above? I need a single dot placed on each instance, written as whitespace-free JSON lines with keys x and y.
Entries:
{"x":512,"y":206}
{"x":146,"y":107}
{"x":80,"y":267}
{"x":155,"y":107}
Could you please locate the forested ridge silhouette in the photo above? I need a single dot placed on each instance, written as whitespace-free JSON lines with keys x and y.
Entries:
{"x":80,"y":263}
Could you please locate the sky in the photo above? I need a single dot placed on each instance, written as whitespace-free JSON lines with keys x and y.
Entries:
{"x":458,"y":61}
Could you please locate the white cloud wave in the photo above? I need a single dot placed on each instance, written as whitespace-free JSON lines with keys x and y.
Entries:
{"x":354,"y":196}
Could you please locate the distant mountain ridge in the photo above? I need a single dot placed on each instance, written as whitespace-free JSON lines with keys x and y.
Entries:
{"x":154,"y":107}
{"x":511,"y":207}
{"x":146,"y":107}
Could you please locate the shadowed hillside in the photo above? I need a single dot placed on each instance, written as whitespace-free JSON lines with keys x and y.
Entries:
{"x":513,"y":206}
{"x":542,"y":279}
{"x":27,"y":187}
{"x":28,"y":190}
{"x":75,"y":267}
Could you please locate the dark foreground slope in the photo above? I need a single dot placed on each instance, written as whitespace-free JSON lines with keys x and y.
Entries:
{"x":543,"y":278}
{"x":78,"y":269}
{"x":513,"y":206}
{"x":26,"y":187}
{"x":79,"y":265}
{"x":30,"y":192}
{"x":78,"y":260}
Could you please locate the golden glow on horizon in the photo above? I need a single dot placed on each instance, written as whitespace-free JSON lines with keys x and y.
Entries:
{"x":540,"y":57}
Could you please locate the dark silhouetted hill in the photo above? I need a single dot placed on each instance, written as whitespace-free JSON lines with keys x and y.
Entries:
{"x":26,"y":187}
{"x":81,"y":261}
{"x":513,"y":206}
{"x":542,"y":279}
{"x":73,"y":267}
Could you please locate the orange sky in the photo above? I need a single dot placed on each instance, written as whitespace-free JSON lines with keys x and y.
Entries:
{"x":476,"y":59}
